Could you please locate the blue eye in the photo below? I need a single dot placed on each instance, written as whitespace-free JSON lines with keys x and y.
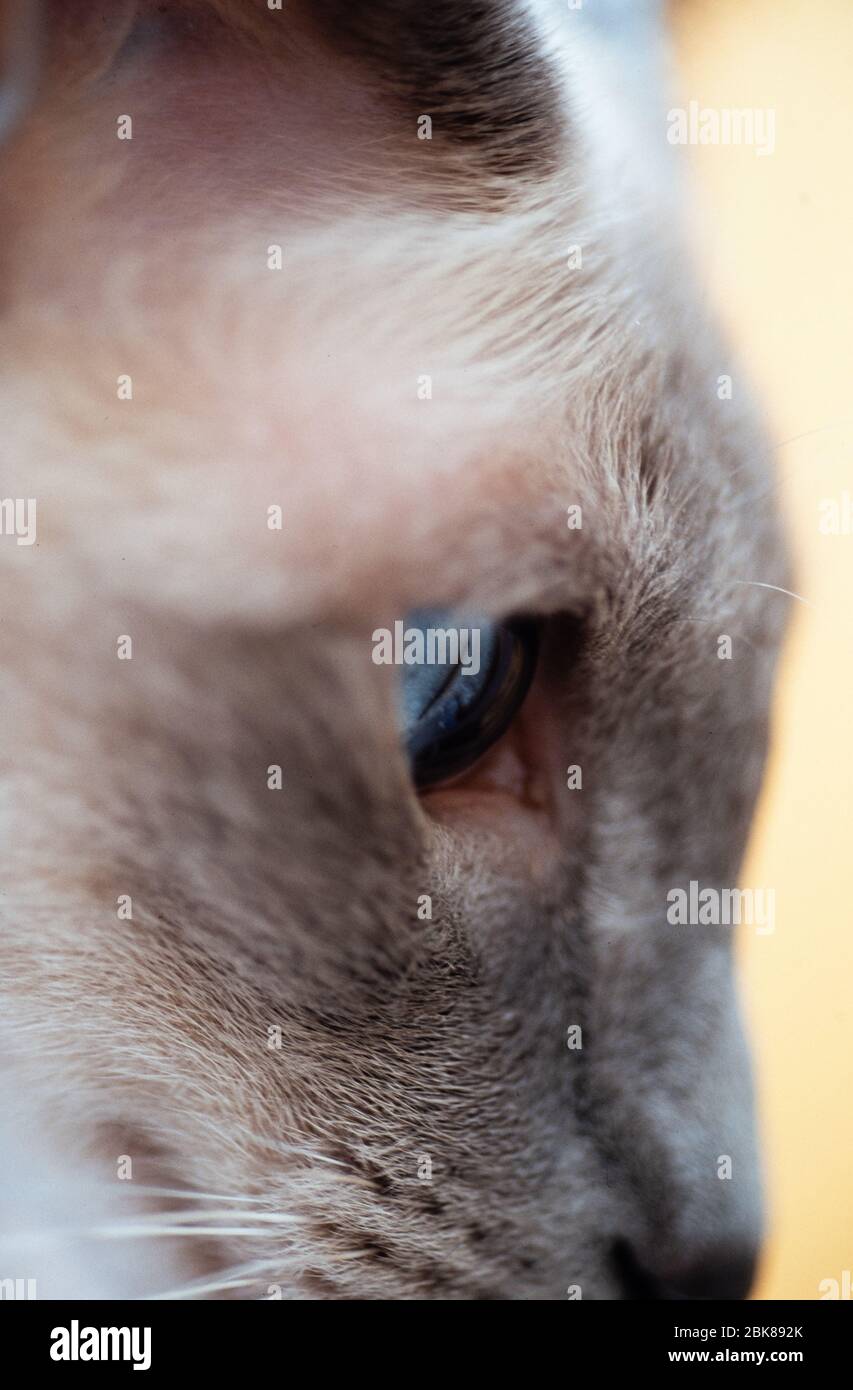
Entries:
{"x":461,"y":687}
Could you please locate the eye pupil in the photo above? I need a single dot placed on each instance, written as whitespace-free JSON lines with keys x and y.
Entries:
{"x":461,"y":689}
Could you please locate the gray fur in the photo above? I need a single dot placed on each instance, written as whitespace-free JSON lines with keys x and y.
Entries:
{"x":402,"y":1038}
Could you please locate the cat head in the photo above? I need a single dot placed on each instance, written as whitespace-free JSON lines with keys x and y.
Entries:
{"x":314,"y":318}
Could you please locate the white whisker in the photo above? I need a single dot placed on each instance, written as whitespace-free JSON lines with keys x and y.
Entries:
{"x":238,"y":1277}
{"x":756,"y":584}
{"x":165,"y":1231}
{"x":159,"y":1225}
{"x":190,"y":1196}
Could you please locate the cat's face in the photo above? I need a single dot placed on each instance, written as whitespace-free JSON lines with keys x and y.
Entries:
{"x":448,"y":1045}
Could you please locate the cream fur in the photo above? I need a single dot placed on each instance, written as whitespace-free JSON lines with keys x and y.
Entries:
{"x":297,"y":910}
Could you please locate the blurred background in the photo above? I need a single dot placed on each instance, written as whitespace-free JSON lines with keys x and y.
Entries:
{"x":777,"y":262}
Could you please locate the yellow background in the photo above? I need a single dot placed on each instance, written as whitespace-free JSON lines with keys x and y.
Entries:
{"x":778,"y":264}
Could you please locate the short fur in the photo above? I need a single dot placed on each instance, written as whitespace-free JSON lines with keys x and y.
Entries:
{"x":301,"y":1168}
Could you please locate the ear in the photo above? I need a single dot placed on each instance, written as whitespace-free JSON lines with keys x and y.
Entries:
{"x":481,"y":72}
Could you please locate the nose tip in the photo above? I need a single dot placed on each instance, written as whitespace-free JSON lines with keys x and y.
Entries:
{"x":725,"y":1273}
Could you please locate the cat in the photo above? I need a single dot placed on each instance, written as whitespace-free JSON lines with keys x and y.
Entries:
{"x":314,"y":317}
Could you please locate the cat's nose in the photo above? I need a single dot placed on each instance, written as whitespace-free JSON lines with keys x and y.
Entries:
{"x":726,"y":1273}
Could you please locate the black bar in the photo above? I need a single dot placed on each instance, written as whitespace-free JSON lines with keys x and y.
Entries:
{"x":233,"y":1338}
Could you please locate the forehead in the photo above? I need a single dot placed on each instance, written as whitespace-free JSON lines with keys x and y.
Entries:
{"x":423,"y":385}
